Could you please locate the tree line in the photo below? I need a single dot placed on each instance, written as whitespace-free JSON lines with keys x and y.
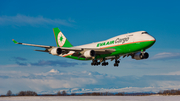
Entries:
{"x":169,"y":92}
{"x":63,"y":93}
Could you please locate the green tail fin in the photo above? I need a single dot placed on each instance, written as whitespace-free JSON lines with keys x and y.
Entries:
{"x":61,"y":40}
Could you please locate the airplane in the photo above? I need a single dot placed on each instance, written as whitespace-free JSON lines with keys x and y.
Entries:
{"x":131,"y":44}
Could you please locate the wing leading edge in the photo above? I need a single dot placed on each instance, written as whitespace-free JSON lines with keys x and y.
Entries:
{"x":66,"y":50}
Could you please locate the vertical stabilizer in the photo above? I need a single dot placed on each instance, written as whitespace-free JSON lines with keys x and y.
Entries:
{"x":61,"y":40}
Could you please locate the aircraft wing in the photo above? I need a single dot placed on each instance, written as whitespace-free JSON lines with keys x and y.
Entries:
{"x":66,"y":50}
{"x":42,"y":46}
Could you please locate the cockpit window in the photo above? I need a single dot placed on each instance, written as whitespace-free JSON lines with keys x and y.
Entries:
{"x":144,"y":32}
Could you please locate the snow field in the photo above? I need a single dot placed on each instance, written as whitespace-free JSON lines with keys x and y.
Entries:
{"x":92,"y":98}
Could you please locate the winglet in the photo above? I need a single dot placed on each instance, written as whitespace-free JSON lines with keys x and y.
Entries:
{"x":14,"y":41}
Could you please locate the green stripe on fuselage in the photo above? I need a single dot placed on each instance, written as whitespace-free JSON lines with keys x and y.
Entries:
{"x":122,"y":49}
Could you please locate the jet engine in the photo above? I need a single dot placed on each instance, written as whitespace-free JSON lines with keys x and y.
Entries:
{"x":89,"y":53}
{"x":56,"y":51}
{"x":139,"y":56}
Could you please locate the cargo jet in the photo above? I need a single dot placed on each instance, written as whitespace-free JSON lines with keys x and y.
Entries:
{"x":130,"y":44}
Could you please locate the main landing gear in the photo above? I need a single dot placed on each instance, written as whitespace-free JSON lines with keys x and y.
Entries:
{"x":104,"y":63}
{"x":116,"y":63}
{"x":95,"y":62}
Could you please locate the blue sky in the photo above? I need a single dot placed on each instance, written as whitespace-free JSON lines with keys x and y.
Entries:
{"x":84,"y":22}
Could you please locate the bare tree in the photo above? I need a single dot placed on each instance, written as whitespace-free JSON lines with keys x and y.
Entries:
{"x":64,"y":93}
{"x":9,"y":93}
{"x":58,"y":93}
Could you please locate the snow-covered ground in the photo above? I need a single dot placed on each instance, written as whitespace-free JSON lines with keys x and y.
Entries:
{"x":93,"y":98}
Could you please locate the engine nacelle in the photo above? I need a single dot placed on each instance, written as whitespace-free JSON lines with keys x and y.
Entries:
{"x":89,"y":53}
{"x":56,"y":51}
{"x":139,"y":56}
{"x":146,"y":55}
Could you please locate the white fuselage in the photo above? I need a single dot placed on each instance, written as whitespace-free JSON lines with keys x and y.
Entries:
{"x":118,"y":40}
{"x":132,"y":37}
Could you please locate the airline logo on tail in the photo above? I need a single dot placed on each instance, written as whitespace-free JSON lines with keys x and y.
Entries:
{"x":61,"y":39}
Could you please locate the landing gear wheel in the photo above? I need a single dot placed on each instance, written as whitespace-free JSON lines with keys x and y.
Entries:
{"x":116,"y":64}
{"x":105,"y":63}
{"x":117,"y":61}
{"x":92,"y":63}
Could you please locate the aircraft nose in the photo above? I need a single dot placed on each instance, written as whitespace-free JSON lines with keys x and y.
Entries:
{"x":153,"y":40}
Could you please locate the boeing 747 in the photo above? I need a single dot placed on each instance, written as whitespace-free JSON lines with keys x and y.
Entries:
{"x":131,"y":44}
